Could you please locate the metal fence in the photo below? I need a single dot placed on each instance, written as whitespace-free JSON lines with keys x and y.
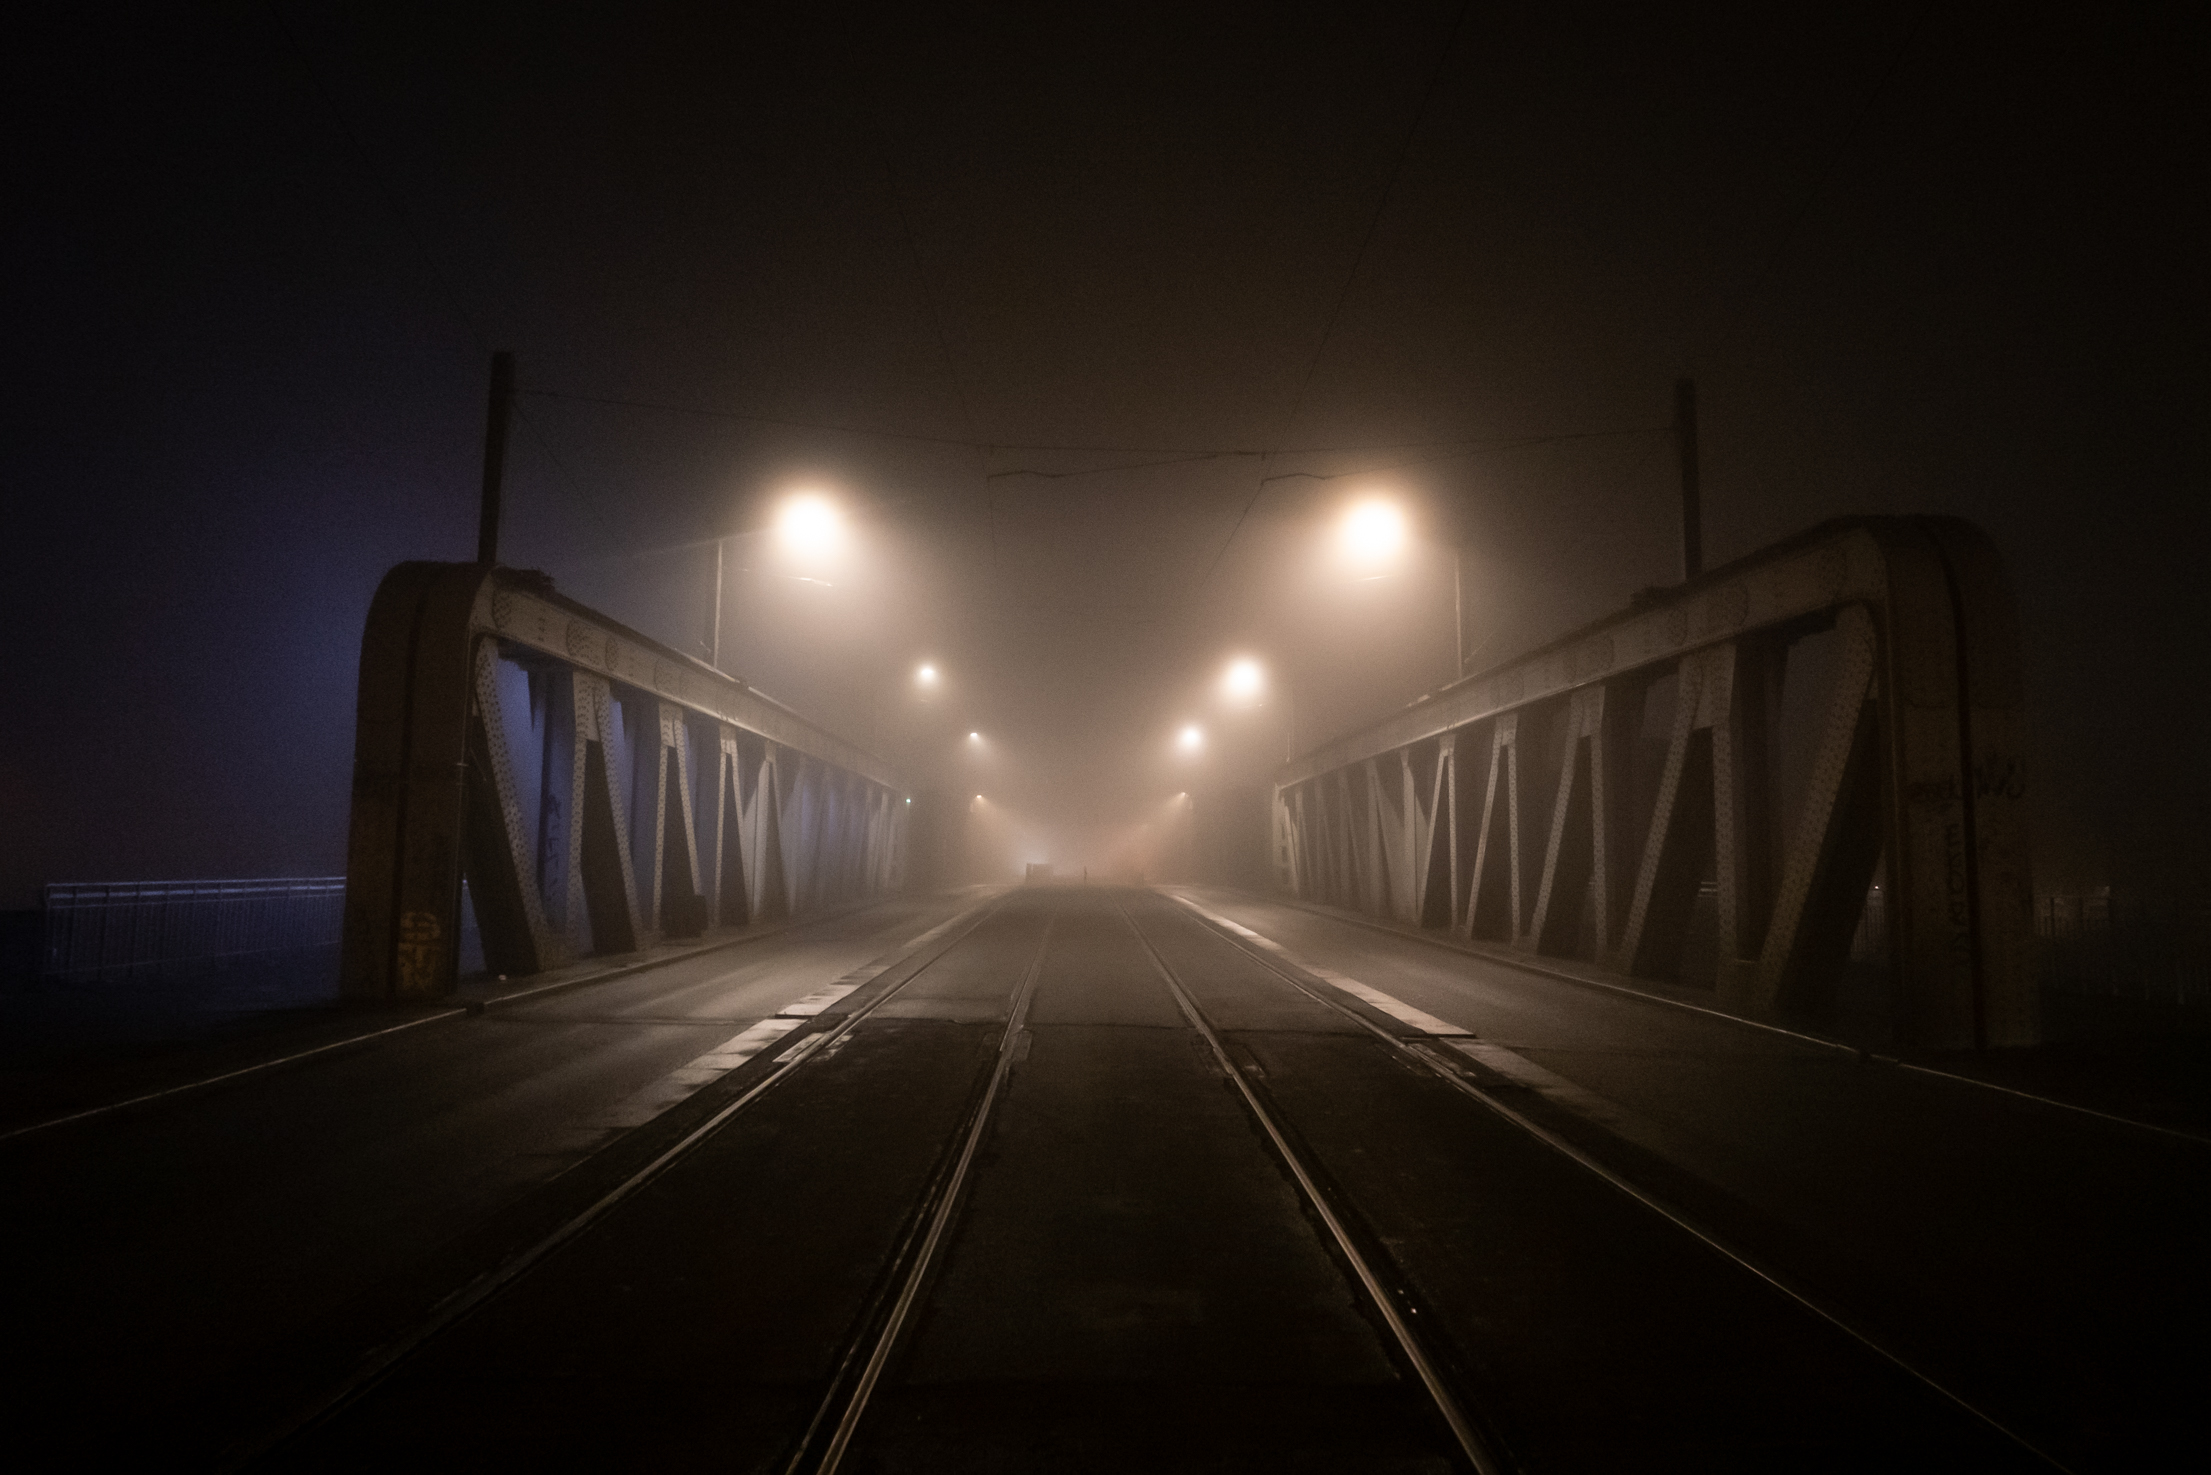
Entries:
{"x":113,"y":931}
{"x":2152,"y":948}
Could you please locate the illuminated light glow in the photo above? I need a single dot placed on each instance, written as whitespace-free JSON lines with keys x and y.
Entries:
{"x":975,"y":737}
{"x":1191,"y":738}
{"x":810,"y":525}
{"x":927,"y":675}
{"x":1244,"y":679}
{"x":1373,"y":530}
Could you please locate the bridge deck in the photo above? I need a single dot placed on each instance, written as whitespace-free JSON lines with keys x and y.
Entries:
{"x":1093,"y":1179}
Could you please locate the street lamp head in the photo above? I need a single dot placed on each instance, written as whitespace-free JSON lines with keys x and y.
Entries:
{"x":975,"y":737}
{"x":1243,"y":680}
{"x":926,"y":675}
{"x":1373,"y":531}
{"x":1191,"y":738}
{"x":809,"y":525}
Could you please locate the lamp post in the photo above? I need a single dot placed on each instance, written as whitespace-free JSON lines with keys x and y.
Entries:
{"x":1245,"y":683}
{"x":809,"y":529}
{"x":1371,"y":537}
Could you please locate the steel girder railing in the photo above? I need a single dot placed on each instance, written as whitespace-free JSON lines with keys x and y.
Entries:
{"x":108,"y":931}
{"x":1575,"y":801}
{"x":598,"y":790}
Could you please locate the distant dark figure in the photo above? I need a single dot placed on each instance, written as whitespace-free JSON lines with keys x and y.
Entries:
{"x":1086,"y":875}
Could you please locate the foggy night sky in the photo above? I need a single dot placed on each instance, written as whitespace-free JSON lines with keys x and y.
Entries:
{"x":1918,"y":257}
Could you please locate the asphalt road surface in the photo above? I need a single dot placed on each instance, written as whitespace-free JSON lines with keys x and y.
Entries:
{"x":1078,"y":1178}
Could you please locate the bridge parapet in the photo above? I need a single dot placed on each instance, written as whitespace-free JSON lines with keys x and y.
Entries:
{"x":597,"y":790}
{"x":1827,"y":723}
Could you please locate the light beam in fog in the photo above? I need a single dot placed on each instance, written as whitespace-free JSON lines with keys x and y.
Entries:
{"x":1372,"y":533}
{"x":809,"y":526}
{"x":1244,"y":680}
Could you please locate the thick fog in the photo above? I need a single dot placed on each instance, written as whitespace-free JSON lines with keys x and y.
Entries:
{"x":1091,"y":327}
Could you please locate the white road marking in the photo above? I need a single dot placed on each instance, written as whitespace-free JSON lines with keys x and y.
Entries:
{"x":685,"y":1081}
{"x":802,"y":1048}
{"x":1588,"y":1105}
{"x":1396,"y":1008}
{"x":642,"y":1106}
{"x":1666,"y":1144}
{"x":935,"y":932}
{"x":815,"y":1002}
{"x":1518,"y":1069}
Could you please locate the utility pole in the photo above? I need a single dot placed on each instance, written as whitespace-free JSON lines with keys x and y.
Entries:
{"x":1458,"y":604}
{"x":714,"y":638}
{"x":495,"y":455}
{"x":1692,"y":510}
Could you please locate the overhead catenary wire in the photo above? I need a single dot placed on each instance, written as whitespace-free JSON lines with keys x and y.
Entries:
{"x":1351,"y":279}
{"x":1178,"y":453}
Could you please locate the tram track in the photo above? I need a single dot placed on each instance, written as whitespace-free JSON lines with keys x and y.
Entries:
{"x":879,"y":1373}
{"x":828,"y":1444}
{"x":1388,"y":1302}
{"x":380,"y":1364}
{"x":846,"y":1403}
{"x":1456,"y":1073}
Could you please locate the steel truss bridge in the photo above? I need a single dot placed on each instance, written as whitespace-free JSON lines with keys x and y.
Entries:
{"x":597,"y":790}
{"x":1834,"y":713}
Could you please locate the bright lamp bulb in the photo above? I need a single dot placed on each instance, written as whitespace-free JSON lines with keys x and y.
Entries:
{"x":810,"y":525}
{"x":1191,"y":738}
{"x":1243,"y":679}
{"x":1373,"y":530}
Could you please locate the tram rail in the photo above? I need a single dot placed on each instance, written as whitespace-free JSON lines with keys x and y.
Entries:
{"x":875,"y":1350}
{"x":1457,"y":1073}
{"x":378,"y":1365}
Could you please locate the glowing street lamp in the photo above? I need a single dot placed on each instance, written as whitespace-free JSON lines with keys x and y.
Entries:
{"x":926,"y":677}
{"x":1244,"y":680}
{"x":1191,"y":738}
{"x":1245,"y":683}
{"x":1372,"y":532}
{"x":809,"y":526}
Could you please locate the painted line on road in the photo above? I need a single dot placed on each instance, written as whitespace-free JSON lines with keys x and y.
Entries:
{"x":228,"y":1075}
{"x":1521,"y":1071}
{"x":687,"y":1080}
{"x":1529,"y":965}
{"x":1010,"y":1050}
{"x":1396,"y":1008}
{"x":1472,"y":1443}
{"x":1528,"y":1073}
{"x":372,"y":1368}
{"x":684,"y":1082}
{"x":1523,"y":964}
{"x":604,"y":975}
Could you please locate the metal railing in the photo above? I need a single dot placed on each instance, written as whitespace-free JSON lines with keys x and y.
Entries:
{"x":597,"y":791}
{"x":2101,"y":944}
{"x":115,"y":931}
{"x":1704,"y":787}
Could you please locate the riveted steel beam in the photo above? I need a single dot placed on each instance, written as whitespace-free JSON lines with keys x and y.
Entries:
{"x":1905,"y":765}
{"x":595,"y":789}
